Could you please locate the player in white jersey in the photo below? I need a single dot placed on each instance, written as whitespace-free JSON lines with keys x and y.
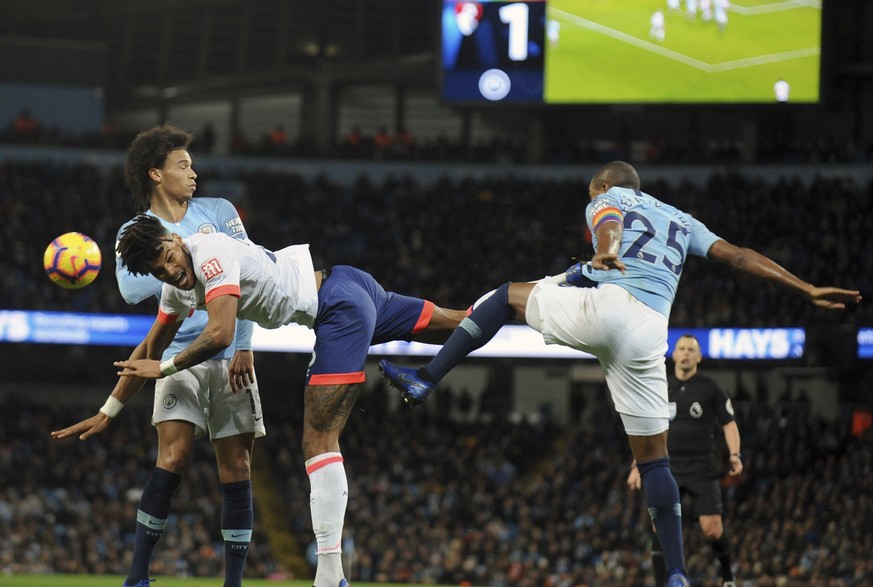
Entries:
{"x":691,"y":9}
{"x":656,"y":26}
{"x":640,"y":248}
{"x":782,"y":91}
{"x":220,"y":396}
{"x":721,"y":14}
{"x":346,"y":307}
{"x":706,"y":10}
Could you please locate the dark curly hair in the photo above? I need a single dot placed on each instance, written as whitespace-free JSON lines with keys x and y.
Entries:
{"x":150,"y":149}
{"x":141,"y":243}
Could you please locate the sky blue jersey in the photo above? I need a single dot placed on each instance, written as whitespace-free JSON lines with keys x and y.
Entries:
{"x":203,"y":215}
{"x":657,"y":238}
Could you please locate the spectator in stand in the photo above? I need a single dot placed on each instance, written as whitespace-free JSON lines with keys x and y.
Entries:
{"x":353,"y":143}
{"x":25,"y":127}
{"x":278,"y":140}
{"x":382,"y":142}
{"x":403,"y":144}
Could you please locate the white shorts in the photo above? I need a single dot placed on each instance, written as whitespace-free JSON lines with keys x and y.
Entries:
{"x":627,"y":337}
{"x":202,"y":395}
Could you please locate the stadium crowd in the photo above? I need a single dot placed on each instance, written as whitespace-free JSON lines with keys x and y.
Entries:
{"x":69,"y":507}
{"x":779,"y":144}
{"x":447,"y":496}
{"x":417,"y":238}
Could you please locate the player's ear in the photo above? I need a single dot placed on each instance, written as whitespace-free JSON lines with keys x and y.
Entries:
{"x":155,"y":174}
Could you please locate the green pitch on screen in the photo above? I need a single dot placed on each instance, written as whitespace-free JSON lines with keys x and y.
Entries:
{"x":604,"y":53}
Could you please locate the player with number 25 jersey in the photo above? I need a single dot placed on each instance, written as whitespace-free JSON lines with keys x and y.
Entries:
{"x":655,"y":241}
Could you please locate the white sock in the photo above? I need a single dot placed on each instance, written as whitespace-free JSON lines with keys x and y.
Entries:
{"x":329,"y":494}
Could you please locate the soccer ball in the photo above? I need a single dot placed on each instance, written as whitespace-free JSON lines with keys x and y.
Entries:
{"x":72,"y":260}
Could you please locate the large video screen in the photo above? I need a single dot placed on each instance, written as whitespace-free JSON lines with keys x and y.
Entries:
{"x":631,"y":51}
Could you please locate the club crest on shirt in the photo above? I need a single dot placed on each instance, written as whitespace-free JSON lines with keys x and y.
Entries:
{"x":206,"y":228}
{"x":211,"y":269}
{"x":696,"y":410}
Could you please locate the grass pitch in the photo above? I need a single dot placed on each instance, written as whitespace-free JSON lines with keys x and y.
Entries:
{"x":604,"y":53}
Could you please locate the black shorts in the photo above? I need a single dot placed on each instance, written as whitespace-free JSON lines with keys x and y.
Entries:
{"x":705,"y":496}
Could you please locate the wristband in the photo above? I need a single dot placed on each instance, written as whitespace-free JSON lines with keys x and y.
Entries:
{"x":575,"y":275}
{"x":112,"y":406}
{"x":168,"y":367}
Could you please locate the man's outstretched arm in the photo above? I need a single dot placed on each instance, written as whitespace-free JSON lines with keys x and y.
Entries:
{"x":754,"y":263}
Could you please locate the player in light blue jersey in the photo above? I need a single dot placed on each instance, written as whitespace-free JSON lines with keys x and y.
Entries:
{"x":640,"y":248}
{"x":220,"y":396}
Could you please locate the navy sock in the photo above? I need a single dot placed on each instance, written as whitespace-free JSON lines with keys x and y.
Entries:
{"x":662,"y":496}
{"x":151,"y":518}
{"x":472,"y":333}
{"x":658,"y":569}
{"x":237,"y":521}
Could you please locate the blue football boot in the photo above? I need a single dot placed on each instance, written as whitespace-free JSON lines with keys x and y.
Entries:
{"x":140,"y":583}
{"x":413,"y":389}
{"x":677,"y":579}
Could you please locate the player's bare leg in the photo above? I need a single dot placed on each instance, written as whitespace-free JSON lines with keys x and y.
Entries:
{"x":326,"y":410}
{"x":442,"y":323}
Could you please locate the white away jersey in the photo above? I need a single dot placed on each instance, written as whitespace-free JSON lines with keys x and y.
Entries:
{"x":203,"y":215}
{"x":274,"y":288}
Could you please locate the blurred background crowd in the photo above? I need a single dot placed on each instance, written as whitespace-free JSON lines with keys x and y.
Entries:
{"x":416,"y":237}
{"x":451,"y":494}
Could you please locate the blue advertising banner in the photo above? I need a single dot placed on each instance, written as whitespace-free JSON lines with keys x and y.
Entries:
{"x":512,"y":341}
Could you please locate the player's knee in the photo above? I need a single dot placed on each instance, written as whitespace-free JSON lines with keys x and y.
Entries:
{"x":712,"y":528}
{"x":174,"y":461}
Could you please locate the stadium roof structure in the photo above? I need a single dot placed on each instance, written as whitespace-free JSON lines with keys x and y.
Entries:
{"x":218,"y":45}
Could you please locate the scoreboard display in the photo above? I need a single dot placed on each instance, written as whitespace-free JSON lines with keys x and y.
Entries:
{"x":632,"y":51}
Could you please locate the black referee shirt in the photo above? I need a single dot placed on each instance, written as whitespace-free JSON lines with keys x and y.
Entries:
{"x":697,"y":407}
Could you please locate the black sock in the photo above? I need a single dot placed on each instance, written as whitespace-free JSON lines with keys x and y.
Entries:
{"x":722,"y":549}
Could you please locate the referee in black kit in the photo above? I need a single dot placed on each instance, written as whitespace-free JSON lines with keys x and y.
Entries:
{"x":696,"y":401}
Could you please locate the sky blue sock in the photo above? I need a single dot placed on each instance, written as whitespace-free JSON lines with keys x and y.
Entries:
{"x":472,"y":333}
{"x":662,"y":496}
{"x":237,"y":521}
{"x":151,"y":518}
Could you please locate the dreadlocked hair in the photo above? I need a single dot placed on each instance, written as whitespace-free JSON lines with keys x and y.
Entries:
{"x":141,"y":243}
